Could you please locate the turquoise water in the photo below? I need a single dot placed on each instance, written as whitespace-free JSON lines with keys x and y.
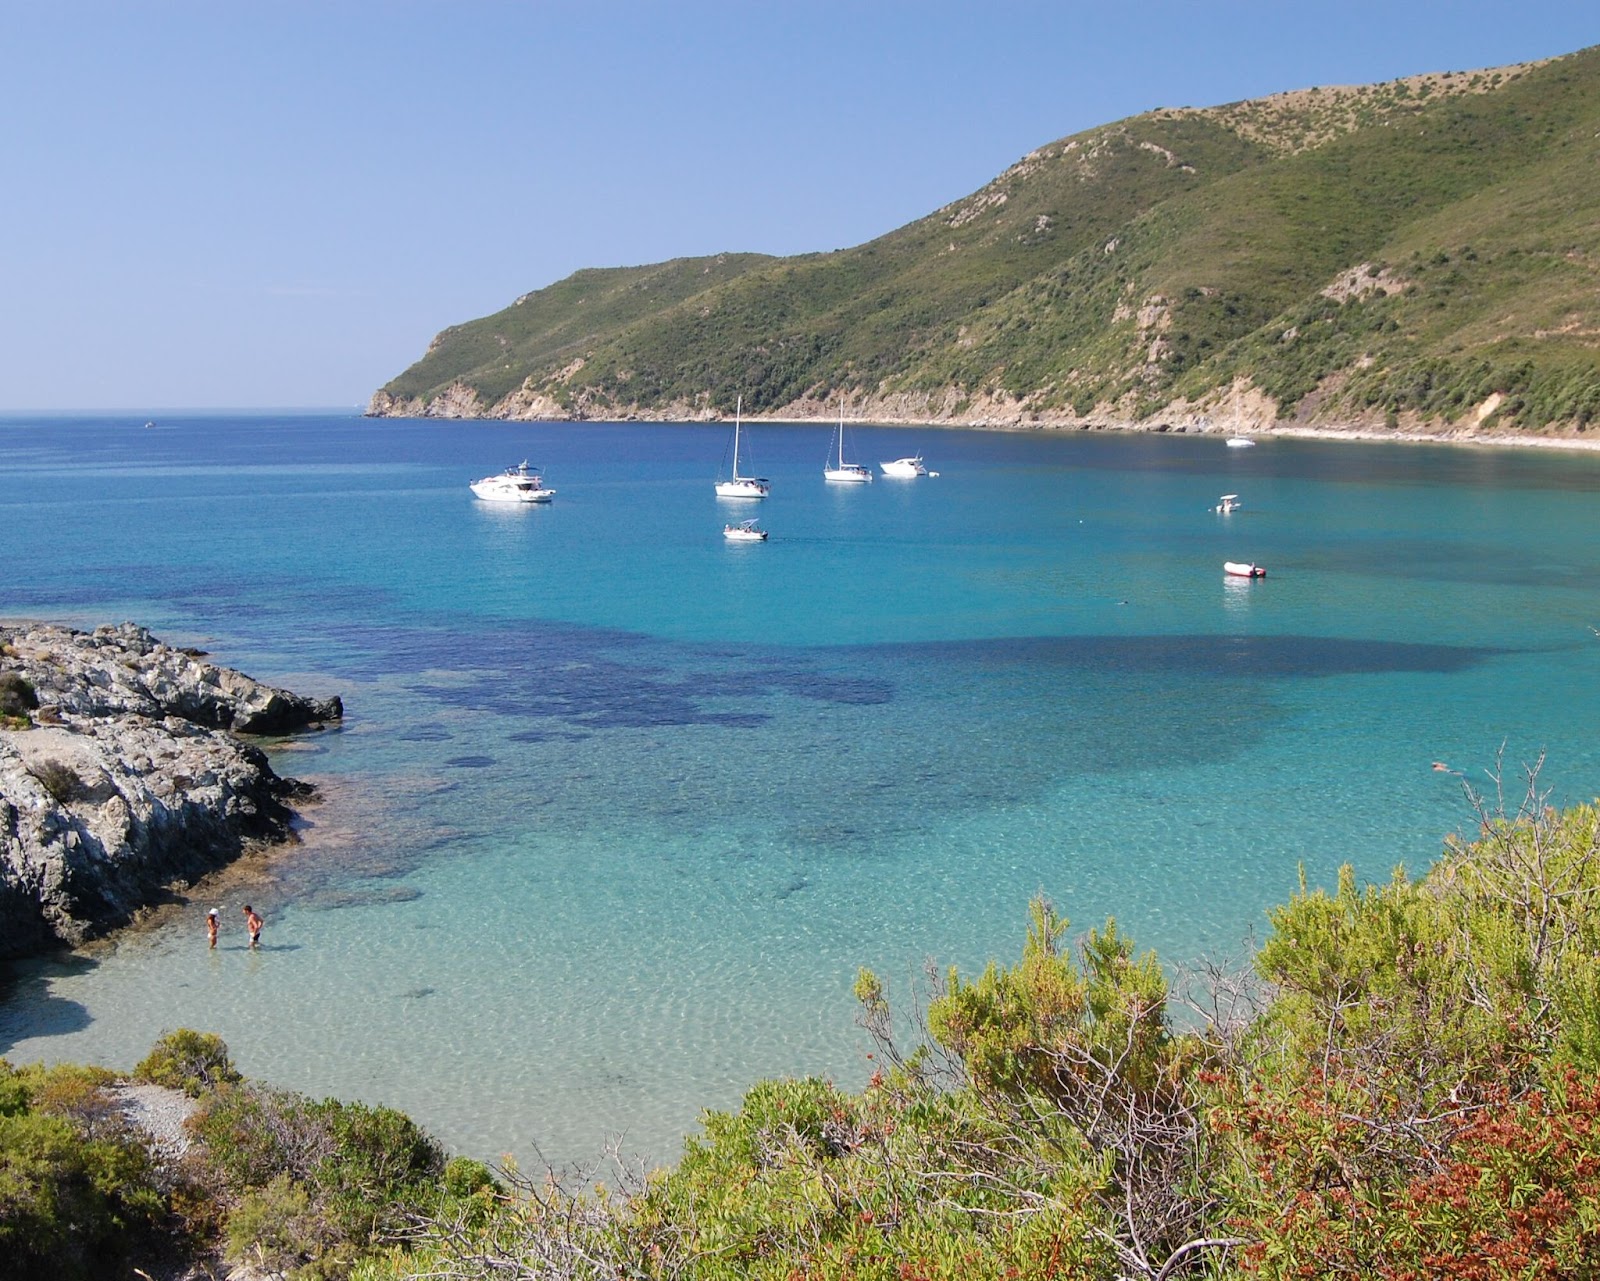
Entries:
{"x":620,"y":808}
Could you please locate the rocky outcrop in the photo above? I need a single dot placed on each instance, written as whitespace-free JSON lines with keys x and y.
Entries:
{"x":458,"y":400}
{"x":128,"y":780}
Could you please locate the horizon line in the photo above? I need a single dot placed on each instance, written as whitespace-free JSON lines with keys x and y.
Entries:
{"x":176,"y":410}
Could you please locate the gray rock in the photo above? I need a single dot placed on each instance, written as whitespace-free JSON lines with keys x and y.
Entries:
{"x":129,"y":782}
{"x":159,"y":1114}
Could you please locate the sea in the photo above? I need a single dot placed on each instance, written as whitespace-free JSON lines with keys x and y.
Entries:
{"x":619,"y":808}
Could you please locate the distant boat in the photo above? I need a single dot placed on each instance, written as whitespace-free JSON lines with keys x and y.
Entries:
{"x":841,"y":470}
{"x":517,"y":484}
{"x":905,"y":467}
{"x":1228,"y":503}
{"x":744,"y":531}
{"x":1243,"y":569}
{"x":149,"y":425}
{"x":739,"y":486}
{"x":1240,"y":442}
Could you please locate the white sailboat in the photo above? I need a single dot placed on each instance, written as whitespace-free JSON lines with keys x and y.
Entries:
{"x":741,"y":486}
{"x":836,"y":468}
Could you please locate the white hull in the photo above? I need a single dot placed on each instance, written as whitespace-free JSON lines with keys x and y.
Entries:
{"x":836,"y":469}
{"x":905,"y":467}
{"x":1243,"y":569}
{"x":1240,"y":442}
{"x":492,"y":493}
{"x":741,"y":486}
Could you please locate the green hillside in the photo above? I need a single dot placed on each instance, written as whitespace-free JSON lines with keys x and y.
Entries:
{"x":1423,"y":252}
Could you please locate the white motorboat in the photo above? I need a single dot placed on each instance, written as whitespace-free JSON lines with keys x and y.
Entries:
{"x":1228,"y":503}
{"x":519,"y":484}
{"x":738,"y":486}
{"x":1243,"y":569}
{"x":744,"y":531}
{"x":1240,"y":442}
{"x":835,"y":468}
{"x":908,"y":467}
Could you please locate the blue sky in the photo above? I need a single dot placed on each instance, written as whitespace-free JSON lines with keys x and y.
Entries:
{"x":274,"y":203}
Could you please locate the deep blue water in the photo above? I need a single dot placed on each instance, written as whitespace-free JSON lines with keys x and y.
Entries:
{"x":619,"y":808}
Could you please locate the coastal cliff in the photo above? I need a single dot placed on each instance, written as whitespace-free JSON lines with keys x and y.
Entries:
{"x":120,"y":776}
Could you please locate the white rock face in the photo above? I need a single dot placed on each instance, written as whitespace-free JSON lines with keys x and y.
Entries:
{"x":128,"y":781}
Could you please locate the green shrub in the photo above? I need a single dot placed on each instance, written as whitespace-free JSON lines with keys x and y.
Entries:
{"x":74,"y":1093}
{"x":13,"y":1091}
{"x":253,"y":1134}
{"x":464,"y":1177}
{"x":59,"y":779}
{"x":17,"y":697}
{"x":72,"y":1207}
{"x":279,"y":1228}
{"x":382,"y":1163}
{"x":193,"y":1062}
{"x":322,"y":1180}
{"x":16,"y":694}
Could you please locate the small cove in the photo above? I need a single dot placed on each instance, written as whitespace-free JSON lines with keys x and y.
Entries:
{"x":618,"y":810}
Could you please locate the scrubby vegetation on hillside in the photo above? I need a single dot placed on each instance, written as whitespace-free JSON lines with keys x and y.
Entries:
{"x":1407,"y":1085}
{"x":289,"y":1185}
{"x":1148,"y":268}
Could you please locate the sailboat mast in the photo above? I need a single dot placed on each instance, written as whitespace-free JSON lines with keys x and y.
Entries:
{"x":738,"y":407}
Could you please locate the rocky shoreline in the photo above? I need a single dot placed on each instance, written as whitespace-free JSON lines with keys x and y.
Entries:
{"x":121,"y":776}
{"x":1242,"y":412}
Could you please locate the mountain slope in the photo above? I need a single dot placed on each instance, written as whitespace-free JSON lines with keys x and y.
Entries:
{"x":1424,"y":251}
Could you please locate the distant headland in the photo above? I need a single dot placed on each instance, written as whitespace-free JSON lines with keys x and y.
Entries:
{"x":1413,"y":259}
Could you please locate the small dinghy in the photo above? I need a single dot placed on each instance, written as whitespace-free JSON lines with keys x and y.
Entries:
{"x":1243,"y":569}
{"x":744,"y":531}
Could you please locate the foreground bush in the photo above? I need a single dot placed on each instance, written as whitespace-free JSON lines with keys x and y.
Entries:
{"x":303,"y":1188}
{"x":194,"y":1062}
{"x":317,"y":1184}
{"x":78,"y":1193}
{"x":17,"y":700}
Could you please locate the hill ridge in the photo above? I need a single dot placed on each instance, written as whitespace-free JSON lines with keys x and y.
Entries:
{"x":1420,"y":254}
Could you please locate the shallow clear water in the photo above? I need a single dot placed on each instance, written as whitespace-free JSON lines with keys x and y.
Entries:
{"x":619,"y":808}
